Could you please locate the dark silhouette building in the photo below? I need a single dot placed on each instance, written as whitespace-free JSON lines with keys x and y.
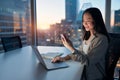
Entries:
{"x":116,"y":27}
{"x":117,"y":17}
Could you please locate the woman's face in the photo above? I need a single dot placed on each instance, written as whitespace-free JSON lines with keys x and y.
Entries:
{"x":88,"y":22}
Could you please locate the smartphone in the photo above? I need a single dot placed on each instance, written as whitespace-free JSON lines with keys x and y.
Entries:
{"x":62,"y":36}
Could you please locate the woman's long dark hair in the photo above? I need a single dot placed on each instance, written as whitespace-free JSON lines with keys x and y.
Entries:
{"x":99,"y":25}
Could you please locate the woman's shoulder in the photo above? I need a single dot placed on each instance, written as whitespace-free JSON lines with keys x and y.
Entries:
{"x":100,"y":36}
{"x":99,"y":39}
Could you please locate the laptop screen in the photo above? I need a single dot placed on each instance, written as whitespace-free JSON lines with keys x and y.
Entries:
{"x":38,"y":55}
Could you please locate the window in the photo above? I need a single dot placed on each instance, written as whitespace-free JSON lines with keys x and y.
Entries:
{"x":115,"y":16}
{"x":15,"y":19}
{"x":115,"y":27}
{"x":62,"y":17}
{"x":50,"y":21}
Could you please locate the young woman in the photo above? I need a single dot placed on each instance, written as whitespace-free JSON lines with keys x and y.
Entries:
{"x":94,"y":46}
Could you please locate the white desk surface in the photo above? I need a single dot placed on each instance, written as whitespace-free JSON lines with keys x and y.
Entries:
{"x":22,"y":64}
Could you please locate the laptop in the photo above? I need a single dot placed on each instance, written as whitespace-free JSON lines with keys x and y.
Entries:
{"x":47,"y":62}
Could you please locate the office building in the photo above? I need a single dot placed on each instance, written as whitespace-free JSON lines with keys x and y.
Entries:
{"x":14,"y":19}
{"x":84,"y":6}
{"x":71,"y":10}
{"x":117,"y":18}
{"x":116,"y":27}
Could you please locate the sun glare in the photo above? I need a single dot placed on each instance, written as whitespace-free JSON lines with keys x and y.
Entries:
{"x":43,"y":26}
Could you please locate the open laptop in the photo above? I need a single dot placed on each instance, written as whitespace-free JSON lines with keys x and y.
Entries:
{"x":47,"y":62}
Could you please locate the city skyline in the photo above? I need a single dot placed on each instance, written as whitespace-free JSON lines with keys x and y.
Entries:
{"x":53,"y":12}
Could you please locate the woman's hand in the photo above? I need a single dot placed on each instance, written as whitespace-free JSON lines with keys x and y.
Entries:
{"x":57,"y":59}
{"x":67,"y":43}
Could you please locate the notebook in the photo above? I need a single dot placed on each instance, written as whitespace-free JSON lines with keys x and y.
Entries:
{"x":47,"y":62}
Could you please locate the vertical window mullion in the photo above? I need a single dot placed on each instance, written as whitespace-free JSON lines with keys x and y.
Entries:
{"x":108,"y":14}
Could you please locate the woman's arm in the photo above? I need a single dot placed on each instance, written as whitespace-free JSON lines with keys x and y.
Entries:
{"x":97,"y":52}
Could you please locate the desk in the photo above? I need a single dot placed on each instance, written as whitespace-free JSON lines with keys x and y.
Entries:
{"x":22,"y":64}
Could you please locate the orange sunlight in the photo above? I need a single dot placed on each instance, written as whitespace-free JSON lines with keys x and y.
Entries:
{"x":43,"y":26}
{"x":112,"y":21}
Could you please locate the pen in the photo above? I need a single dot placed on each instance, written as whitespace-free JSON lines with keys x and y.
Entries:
{"x":51,"y":57}
{"x":59,"y":55}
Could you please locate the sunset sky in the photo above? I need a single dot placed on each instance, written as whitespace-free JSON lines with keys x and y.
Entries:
{"x":52,"y":11}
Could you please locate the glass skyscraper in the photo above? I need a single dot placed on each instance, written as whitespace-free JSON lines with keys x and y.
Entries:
{"x":15,"y":19}
{"x":116,"y":27}
{"x":117,"y":17}
{"x":71,"y":10}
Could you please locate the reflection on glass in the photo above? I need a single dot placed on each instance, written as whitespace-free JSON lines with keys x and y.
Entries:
{"x":15,"y":19}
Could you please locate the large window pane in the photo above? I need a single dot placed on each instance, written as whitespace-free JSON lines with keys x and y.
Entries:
{"x":62,"y":17}
{"x":115,"y":16}
{"x":15,"y":19}
{"x":50,"y":21}
{"x":115,"y":26}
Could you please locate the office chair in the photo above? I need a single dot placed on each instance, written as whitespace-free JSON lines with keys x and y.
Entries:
{"x":112,"y":56}
{"x":11,"y":43}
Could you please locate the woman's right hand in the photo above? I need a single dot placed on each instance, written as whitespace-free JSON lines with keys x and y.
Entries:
{"x":67,"y":43}
{"x":57,"y":59}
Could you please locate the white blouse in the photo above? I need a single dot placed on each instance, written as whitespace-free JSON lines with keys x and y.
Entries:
{"x":85,"y":47}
